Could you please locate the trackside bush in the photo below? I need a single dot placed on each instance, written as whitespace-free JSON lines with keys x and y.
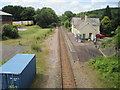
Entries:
{"x":108,"y":68}
{"x":9,"y":31}
{"x":36,"y":47}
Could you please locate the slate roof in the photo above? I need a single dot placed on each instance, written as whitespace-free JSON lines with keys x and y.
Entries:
{"x":4,"y":13}
{"x":78,"y":23}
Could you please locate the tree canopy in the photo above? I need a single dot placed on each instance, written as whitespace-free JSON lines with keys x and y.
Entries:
{"x":117,"y":38}
{"x":27,"y":13}
{"x":46,"y":17}
{"x":106,"y":26}
{"x":107,"y":12}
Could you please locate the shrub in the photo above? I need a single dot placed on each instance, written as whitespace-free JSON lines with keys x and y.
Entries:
{"x":36,"y":47}
{"x":38,"y":37}
{"x":106,"y":43}
{"x":14,"y":33}
{"x":107,"y":67}
{"x":9,"y":31}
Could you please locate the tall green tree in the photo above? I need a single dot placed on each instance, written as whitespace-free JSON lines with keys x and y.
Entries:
{"x":116,"y":19}
{"x":46,"y":17}
{"x":14,"y":10}
{"x":28,"y":13}
{"x":106,"y":26}
{"x":69,"y":15}
{"x":117,"y":38}
{"x":107,"y":12}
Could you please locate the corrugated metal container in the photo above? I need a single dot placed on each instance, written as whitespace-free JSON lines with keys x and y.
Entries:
{"x":18,"y":72}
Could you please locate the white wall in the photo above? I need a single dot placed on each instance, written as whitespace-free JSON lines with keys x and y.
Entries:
{"x":89,"y":29}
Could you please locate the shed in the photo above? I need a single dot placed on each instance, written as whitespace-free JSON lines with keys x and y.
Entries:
{"x":18,"y":72}
{"x":5,"y":18}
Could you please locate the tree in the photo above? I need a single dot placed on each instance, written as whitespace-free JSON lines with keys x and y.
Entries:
{"x":117,"y":38}
{"x":46,"y":17}
{"x":106,"y":26}
{"x":63,"y":18}
{"x":69,"y":15}
{"x":28,"y":13}
{"x":107,"y":12}
{"x":116,"y":19}
{"x":14,"y":10}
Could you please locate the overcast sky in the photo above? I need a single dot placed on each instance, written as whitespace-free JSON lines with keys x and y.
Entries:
{"x":60,"y":6}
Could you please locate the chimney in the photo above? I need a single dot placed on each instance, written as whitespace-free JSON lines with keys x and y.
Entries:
{"x":85,"y":18}
{"x":82,"y":16}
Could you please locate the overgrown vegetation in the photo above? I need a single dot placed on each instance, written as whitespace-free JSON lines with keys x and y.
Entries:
{"x":40,"y":66}
{"x":36,"y":47}
{"x":107,"y":43}
{"x":9,"y":31}
{"x":108,"y":69}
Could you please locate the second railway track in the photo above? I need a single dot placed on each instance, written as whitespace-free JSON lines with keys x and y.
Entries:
{"x":67,"y":75}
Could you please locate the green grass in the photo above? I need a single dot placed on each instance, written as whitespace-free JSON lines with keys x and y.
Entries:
{"x":30,"y":36}
{"x":108,"y":69}
{"x":40,"y":66}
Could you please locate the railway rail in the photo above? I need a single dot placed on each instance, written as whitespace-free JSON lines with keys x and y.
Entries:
{"x":67,"y":76}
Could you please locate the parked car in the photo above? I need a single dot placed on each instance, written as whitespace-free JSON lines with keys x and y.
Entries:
{"x":100,"y":35}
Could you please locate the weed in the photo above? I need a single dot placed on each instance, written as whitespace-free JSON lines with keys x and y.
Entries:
{"x":36,"y":47}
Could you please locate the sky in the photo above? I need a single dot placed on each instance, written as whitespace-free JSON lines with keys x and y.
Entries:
{"x":60,"y":6}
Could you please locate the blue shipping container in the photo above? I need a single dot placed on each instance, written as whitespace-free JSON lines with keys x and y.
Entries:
{"x":18,"y":72}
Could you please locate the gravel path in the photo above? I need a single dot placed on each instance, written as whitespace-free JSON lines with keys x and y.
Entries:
{"x":8,"y":51}
{"x":51,"y":77}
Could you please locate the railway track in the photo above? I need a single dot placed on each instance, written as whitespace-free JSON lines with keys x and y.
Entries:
{"x":67,"y":76}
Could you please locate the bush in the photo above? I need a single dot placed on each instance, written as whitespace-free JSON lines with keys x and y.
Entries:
{"x":14,"y":33}
{"x":106,"y":43}
{"x":107,"y":67}
{"x":36,"y":47}
{"x":9,"y":31}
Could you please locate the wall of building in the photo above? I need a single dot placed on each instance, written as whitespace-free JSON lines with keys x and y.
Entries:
{"x":89,"y":29}
{"x":5,"y":20}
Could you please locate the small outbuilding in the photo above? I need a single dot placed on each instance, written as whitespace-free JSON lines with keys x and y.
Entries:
{"x":5,"y":18}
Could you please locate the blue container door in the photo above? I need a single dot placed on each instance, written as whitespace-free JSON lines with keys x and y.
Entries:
{"x":16,"y":82}
{"x":12,"y":81}
{"x":4,"y":81}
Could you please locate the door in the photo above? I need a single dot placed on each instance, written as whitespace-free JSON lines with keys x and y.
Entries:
{"x":90,"y":34}
{"x":10,"y":81}
{"x":4,"y":83}
{"x":13,"y":81}
{"x":83,"y":36}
